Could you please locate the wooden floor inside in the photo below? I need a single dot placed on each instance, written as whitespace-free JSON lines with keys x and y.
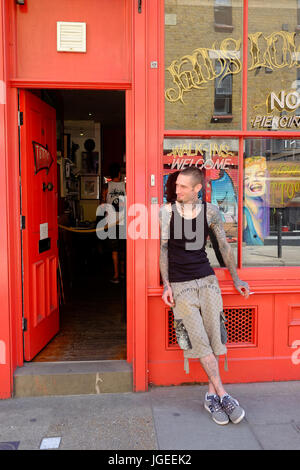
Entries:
{"x":92,"y":321}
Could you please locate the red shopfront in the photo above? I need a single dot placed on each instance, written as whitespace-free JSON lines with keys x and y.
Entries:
{"x":128,"y":47}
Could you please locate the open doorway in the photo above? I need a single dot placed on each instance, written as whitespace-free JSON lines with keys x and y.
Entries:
{"x":90,"y":144}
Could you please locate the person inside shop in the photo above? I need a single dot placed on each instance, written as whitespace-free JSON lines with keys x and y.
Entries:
{"x":115,"y":195}
{"x":191,"y":288}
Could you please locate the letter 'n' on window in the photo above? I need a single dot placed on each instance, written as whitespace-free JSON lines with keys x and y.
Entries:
{"x":223,"y":15}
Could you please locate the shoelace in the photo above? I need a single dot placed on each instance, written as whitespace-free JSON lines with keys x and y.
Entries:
{"x":229,"y":404}
{"x":215,"y":404}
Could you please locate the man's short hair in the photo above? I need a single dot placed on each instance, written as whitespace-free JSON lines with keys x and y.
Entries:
{"x":195,"y":173}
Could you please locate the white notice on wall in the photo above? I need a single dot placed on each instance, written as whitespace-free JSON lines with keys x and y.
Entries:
{"x":43,"y":231}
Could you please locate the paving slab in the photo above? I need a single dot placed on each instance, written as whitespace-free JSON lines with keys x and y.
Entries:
{"x":272,"y":409}
{"x":181,"y":422}
{"x":86,"y":422}
{"x":277,"y":436}
{"x":270,"y":402}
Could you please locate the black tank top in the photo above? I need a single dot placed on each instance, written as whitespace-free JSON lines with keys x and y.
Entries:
{"x":186,"y":247}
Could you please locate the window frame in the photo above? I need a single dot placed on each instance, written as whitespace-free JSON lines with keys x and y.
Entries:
{"x":241,"y":134}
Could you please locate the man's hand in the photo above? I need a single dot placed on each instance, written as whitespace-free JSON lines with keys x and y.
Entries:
{"x":242,"y":287}
{"x":168,"y":296}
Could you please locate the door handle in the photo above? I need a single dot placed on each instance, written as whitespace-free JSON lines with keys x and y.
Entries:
{"x":48,"y":186}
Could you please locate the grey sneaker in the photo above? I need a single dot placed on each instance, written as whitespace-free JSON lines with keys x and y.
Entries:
{"x":232,"y":409}
{"x":213,"y":406}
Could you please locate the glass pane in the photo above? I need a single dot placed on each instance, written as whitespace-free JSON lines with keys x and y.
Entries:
{"x":203,"y":64}
{"x":271,"y":232}
{"x":274,"y":65}
{"x":218,"y":159}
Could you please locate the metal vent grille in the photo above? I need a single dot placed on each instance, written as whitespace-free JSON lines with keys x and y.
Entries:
{"x":71,"y":37}
{"x":240,"y":327}
{"x":171,"y":336}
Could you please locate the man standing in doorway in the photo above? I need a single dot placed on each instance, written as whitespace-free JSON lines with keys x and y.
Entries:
{"x":191,"y":287}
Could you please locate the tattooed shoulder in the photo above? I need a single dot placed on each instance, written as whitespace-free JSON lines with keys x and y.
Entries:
{"x":214,"y":221}
{"x":213,"y":215}
{"x":165,"y":213}
{"x":164,"y":209}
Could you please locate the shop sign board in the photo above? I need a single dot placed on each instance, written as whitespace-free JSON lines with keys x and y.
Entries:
{"x":204,"y":154}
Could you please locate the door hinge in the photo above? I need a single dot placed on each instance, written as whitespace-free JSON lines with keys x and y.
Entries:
{"x":21,"y":118}
{"x":24,"y":324}
{"x":22,"y":222}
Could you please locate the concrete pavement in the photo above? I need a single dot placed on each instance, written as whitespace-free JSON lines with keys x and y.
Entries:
{"x":164,"y":418}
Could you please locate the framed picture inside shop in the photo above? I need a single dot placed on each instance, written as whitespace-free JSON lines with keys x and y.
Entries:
{"x":89,"y":187}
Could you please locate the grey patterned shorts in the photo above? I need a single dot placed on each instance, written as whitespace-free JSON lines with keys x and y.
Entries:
{"x":199,"y":304}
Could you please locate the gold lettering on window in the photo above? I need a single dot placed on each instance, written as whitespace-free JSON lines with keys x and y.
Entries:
{"x":193,"y":71}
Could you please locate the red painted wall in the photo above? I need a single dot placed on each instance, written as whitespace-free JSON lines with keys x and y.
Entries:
{"x":274,"y":352}
{"x":107,"y":24}
{"x":7,"y":352}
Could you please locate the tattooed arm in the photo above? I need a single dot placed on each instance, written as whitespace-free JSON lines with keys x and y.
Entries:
{"x":214,"y":221}
{"x":164,"y":221}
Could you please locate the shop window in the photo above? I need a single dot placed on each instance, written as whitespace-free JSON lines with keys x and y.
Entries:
{"x":273,"y":99}
{"x":271,"y":213}
{"x":223,"y":94}
{"x":193,"y":54}
{"x":223,"y":15}
{"x":218,"y":159}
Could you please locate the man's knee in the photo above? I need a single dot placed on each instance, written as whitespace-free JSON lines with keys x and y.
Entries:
{"x":209,"y":358}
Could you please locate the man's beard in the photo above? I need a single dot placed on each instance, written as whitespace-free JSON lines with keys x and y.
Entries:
{"x":193,"y":202}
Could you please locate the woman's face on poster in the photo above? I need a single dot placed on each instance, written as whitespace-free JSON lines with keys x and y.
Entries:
{"x":255,"y":181}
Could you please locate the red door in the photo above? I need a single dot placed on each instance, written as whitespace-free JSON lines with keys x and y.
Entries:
{"x":39,"y":209}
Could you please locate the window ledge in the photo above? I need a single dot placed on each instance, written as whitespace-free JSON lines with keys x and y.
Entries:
{"x":224,"y":28}
{"x":221,"y":118}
